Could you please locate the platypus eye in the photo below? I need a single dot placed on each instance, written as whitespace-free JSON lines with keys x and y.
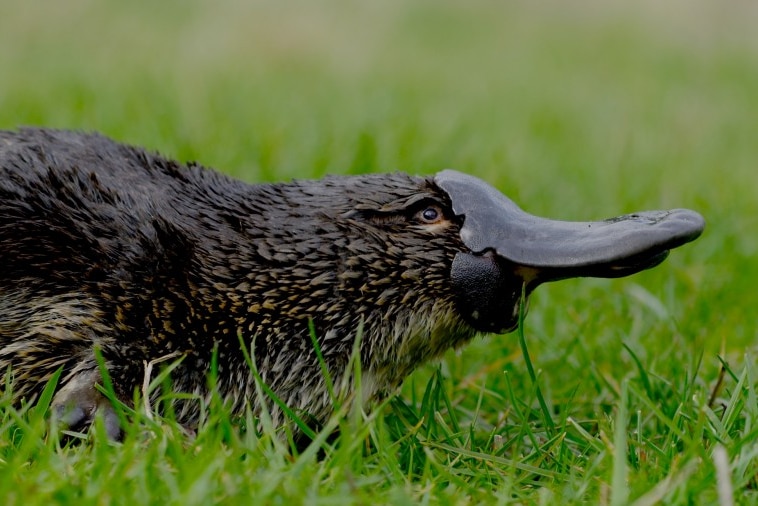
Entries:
{"x":430,"y":214}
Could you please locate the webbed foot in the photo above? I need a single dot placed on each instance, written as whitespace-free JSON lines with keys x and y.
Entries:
{"x":78,"y":402}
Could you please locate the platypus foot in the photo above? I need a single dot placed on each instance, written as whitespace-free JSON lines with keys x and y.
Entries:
{"x":78,"y":402}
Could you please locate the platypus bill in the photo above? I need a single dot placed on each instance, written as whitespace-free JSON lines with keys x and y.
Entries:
{"x":106,"y":245}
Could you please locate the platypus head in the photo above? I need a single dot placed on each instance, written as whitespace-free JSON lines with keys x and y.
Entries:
{"x":509,"y":248}
{"x":423,"y":264}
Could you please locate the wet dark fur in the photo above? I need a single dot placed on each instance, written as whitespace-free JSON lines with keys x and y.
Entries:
{"x":105,"y":244}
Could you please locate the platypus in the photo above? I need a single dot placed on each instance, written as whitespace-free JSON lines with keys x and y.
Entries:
{"x":111,"y":247}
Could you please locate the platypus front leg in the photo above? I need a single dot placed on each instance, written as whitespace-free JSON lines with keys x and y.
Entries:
{"x":78,"y":402}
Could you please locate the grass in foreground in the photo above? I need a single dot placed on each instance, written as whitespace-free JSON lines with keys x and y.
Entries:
{"x":658,"y":442}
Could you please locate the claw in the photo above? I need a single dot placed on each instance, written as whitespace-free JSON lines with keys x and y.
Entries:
{"x":76,"y":405}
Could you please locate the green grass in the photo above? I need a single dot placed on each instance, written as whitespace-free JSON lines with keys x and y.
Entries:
{"x":640,"y":386}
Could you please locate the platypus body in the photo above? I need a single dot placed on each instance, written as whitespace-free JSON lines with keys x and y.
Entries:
{"x":108,"y":246}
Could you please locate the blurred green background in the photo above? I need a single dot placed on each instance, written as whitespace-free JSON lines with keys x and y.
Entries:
{"x":576,"y":110}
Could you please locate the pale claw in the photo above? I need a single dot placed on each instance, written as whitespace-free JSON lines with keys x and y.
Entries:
{"x":76,"y":405}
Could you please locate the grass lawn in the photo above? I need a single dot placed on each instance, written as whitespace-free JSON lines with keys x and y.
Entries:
{"x":578,"y":111}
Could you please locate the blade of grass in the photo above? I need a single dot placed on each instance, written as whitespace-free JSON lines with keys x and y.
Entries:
{"x":642,"y":372}
{"x":619,"y":486}
{"x":500,"y":461}
{"x":286,"y":410}
{"x":547,"y":418}
{"x":322,"y":362}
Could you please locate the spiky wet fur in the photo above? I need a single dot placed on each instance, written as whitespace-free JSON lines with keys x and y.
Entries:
{"x":108,"y":245}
